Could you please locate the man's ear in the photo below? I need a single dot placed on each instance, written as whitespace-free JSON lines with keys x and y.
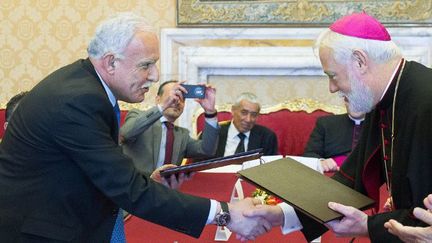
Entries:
{"x":360,"y":60}
{"x":108,"y":63}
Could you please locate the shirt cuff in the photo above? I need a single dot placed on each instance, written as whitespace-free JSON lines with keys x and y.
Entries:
{"x":212,"y":122}
{"x":159,"y":108}
{"x":339,"y":159}
{"x":212,"y":212}
{"x":291,"y":221}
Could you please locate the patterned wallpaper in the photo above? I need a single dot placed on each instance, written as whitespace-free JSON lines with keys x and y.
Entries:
{"x":39,"y":36}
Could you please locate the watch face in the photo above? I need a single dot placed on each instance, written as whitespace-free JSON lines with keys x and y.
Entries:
{"x":223,"y":219}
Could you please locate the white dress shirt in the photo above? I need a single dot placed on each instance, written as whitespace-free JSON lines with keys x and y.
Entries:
{"x":233,"y":140}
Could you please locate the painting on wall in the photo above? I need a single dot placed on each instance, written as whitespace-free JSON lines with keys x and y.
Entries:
{"x":298,"y":13}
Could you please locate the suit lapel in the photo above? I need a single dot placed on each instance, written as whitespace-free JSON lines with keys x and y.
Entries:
{"x":157,"y":136}
{"x":222,"y":139}
{"x":254,"y":139}
{"x":88,"y":66}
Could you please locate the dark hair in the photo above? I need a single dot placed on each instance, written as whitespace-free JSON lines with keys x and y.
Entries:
{"x":13,"y":103}
{"x":160,"y":90}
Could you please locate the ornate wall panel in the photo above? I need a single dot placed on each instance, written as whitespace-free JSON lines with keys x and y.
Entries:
{"x":278,"y":64}
{"x":298,"y":12}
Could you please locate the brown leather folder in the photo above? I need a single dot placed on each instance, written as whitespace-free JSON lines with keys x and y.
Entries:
{"x":214,"y":163}
{"x":304,"y":188}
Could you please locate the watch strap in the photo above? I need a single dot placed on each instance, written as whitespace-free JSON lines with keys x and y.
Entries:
{"x":224,"y":207}
{"x":212,"y":115}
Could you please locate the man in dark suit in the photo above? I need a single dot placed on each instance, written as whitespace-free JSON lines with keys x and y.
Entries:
{"x":333,"y":138}
{"x":63,"y":175}
{"x":12,"y":105}
{"x":145,"y":134}
{"x":242,"y":133}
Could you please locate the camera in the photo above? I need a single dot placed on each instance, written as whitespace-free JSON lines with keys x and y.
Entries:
{"x":194,"y":91}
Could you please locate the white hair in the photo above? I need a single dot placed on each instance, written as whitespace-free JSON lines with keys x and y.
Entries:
{"x":252,"y":98}
{"x":114,"y":34}
{"x":343,"y":47}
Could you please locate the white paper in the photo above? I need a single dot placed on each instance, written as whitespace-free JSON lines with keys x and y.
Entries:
{"x":312,"y":163}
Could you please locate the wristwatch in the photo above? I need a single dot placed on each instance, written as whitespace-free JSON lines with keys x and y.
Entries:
{"x":223,"y":217}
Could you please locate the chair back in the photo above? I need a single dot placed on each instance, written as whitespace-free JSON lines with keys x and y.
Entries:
{"x":292,"y":121}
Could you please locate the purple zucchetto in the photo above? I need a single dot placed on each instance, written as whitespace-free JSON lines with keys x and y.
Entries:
{"x":361,"y":25}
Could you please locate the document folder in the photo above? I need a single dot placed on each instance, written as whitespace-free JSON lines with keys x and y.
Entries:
{"x":214,"y":163}
{"x":304,"y":188}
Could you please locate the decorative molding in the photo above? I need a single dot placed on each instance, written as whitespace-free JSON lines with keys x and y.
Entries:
{"x":181,"y":54}
{"x":298,"y":13}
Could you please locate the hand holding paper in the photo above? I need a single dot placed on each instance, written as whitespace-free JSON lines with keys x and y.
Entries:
{"x":354,"y":222}
{"x":173,"y":181}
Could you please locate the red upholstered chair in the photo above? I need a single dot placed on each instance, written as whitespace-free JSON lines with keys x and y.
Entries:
{"x":123,"y":114}
{"x":292,"y":121}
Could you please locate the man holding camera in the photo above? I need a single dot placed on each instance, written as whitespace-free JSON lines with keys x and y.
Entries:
{"x":152,"y":140}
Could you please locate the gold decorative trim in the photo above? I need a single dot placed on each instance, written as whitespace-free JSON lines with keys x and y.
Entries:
{"x":300,"y":104}
{"x":123,"y":106}
{"x":129,"y":106}
{"x":300,"y":12}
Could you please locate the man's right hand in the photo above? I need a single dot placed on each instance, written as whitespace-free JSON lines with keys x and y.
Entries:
{"x":174,"y":96}
{"x":272,"y":213}
{"x":174,"y":181}
{"x":247,"y":228}
{"x":329,"y":165}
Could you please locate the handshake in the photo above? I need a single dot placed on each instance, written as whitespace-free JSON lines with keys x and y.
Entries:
{"x":250,"y":218}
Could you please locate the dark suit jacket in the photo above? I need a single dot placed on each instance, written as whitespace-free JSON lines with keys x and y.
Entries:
{"x":63,"y":175}
{"x":332,"y":136}
{"x":260,"y":137}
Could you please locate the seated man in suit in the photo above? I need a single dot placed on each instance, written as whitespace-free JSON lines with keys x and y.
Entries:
{"x":241,"y":133}
{"x":334,"y":137}
{"x":12,"y":105}
{"x":146,"y":134}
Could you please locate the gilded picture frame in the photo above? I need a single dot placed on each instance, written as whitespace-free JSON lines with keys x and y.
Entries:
{"x":309,"y":13}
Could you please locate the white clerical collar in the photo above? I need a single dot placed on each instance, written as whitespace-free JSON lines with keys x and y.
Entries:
{"x":391,"y":79}
{"x":356,"y":121}
{"x":233,"y":132}
{"x":110,"y":94}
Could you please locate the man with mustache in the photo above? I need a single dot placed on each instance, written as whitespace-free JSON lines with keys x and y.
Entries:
{"x":367,"y":68}
{"x":63,"y":175}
